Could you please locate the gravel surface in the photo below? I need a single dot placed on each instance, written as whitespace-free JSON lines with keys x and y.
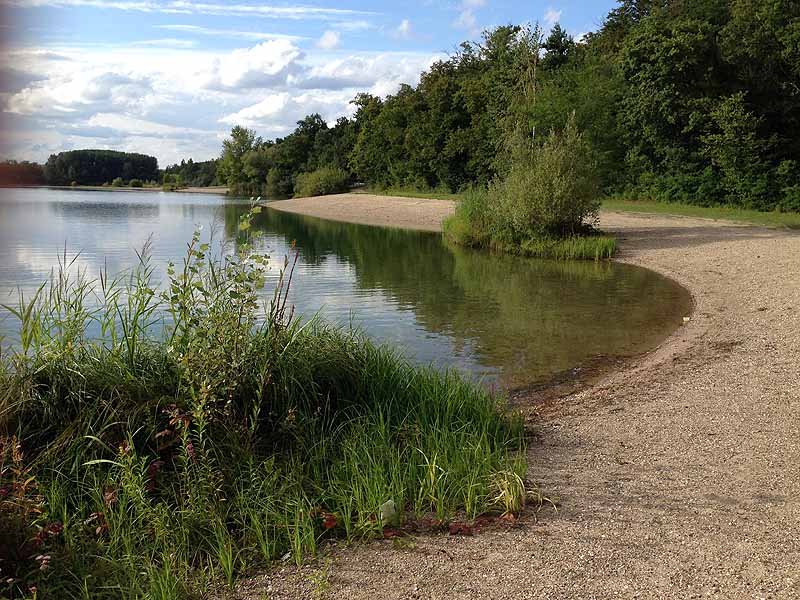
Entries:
{"x":678,"y":477}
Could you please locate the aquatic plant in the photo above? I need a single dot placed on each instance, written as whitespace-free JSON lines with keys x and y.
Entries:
{"x":201,"y":435}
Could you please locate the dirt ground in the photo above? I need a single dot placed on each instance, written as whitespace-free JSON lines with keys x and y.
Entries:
{"x":678,"y":477}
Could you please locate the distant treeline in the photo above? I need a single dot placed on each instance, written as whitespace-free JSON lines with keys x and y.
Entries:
{"x":21,"y":173}
{"x":82,"y":167}
{"x":106,"y":167}
{"x":96,"y":167}
{"x":693,"y":101}
{"x":190,"y":173}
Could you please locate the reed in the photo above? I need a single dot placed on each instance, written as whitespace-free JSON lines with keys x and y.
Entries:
{"x":158,"y":441}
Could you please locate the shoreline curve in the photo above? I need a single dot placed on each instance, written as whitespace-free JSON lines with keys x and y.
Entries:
{"x":677,"y":474}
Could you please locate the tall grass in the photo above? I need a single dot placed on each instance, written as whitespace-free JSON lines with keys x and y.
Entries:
{"x":199,"y":436}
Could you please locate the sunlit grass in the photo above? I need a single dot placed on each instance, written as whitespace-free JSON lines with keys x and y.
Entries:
{"x":754,"y":217}
{"x":157,"y":443}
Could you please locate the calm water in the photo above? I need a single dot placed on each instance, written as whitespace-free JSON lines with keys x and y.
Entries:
{"x":509,"y":320}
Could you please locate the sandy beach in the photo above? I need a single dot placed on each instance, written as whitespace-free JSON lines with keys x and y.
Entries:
{"x":676,"y":477}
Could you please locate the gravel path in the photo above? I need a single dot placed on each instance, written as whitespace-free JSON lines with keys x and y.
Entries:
{"x":678,"y":477}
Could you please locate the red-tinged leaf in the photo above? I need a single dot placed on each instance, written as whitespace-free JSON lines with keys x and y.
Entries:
{"x":166,"y":432}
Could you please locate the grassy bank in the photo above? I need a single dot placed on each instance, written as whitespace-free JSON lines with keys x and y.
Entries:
{"x":578,"y":247}
{"x":753,"y":217}
{"x":169,"y":442}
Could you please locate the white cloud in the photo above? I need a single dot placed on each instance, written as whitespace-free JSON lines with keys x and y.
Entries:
{"x":466,"y":18}
{"x":230,"y":33}
{"x":202,"y":8}
{"x":80,"y":93}
{"x":380,"y":74}
{"x":267,"y":64}
{"x":354,"y":25}
{"x":179,"y":102}
{"x":330,"y":40}
{"x":167,"y":43}
{"x":404,"y":30}
{"x":278,"y":113}
{"x":552,"y":16}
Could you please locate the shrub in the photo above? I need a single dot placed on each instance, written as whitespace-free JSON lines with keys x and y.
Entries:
{"x":327,"y":180}
{"x":135,"y":183}
{"x":117,"y":182}
{"x":544,"y":206}
{"x":548,"y":190}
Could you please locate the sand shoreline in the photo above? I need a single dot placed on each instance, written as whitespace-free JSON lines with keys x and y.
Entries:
{"x":677,"y":475}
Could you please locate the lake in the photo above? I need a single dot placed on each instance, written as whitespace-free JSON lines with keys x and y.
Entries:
{"x":507,"y":320}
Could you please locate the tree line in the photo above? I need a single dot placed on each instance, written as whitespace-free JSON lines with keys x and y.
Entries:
{"x":694,"y":101}
{"x":107,"y":167}
{"x":689,"y":101}
{"x":82,"y":167}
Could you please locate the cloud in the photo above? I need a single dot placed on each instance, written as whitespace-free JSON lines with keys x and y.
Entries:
{"x":354,"y":25}
{"x":13,"y":80}
{"x":552,"y":16}
{"x":379,"y":74}
{"x":167,"y":43}
{"x":176,"y":103}
{"x":82,"y":93}
{"x":230,"y":33}
{"x":404,"y":30}
{"x":466,"y":18}
{"x":278,"y":113}
{"x":330,"y":40}
{"x":199,"y":8}
{"x":267,"y":64}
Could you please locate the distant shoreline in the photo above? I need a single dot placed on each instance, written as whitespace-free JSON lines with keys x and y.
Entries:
{"x":218,"y":189}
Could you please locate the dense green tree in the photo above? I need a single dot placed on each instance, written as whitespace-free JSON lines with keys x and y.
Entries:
{"x":230,"y":168}
{"x":21,"y":173}
{"x":194,"y":174}
{"x":683,"y":100}
{"x":96,"y":167}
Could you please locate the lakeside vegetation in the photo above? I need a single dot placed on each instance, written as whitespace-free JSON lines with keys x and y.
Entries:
{"x":166,"y":456}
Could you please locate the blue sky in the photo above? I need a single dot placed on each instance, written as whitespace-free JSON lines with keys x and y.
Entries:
{"x":171,"y":77}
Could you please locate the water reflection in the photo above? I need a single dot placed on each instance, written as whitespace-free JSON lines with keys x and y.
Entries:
{"x":510,"y":320}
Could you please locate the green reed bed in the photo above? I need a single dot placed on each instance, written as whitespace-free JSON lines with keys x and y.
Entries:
{"x":153,"y":456}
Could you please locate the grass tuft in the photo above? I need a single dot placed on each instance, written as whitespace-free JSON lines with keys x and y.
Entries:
{"x":155,"y":442}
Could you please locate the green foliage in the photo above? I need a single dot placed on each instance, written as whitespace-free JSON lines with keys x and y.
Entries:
{"x":548,"y":197}
{"x":95,"y":167}
{"x":252,"y":166}
{"x":549,"y":190}
{"x":323,"y":181}
{"x":135,"y":183}
{"x":117,"y":182}
{"x":194,"y":174}
{"x":21,"y":173}
{"x":198,"y":437}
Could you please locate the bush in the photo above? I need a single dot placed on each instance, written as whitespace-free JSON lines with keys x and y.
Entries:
{"x":544,"y":206}
{"x":327,"y":180}
{"x":117,"y":182}
{"x":548,"y":190}
{"x":135,"y":183}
